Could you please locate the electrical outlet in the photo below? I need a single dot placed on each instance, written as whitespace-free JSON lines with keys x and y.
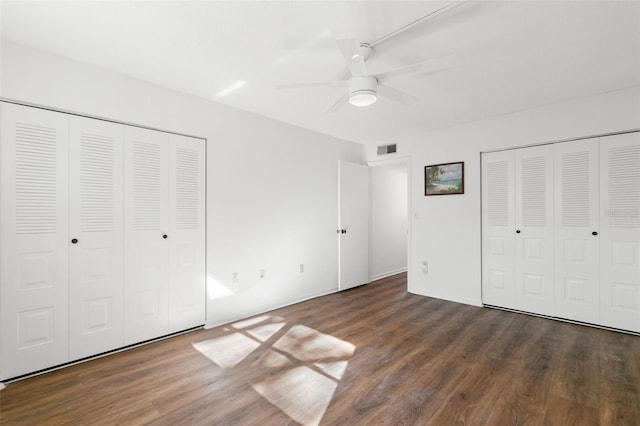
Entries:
{"x":425,"y":267}
{"x":234,"y":277}
{"x":301,"y":267}
{"x":261,"y":273}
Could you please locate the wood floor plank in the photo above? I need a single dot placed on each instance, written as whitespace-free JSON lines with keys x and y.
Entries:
{"x":370,"y":355}
{"x":620,"y":404}
{"x":570,"y":413}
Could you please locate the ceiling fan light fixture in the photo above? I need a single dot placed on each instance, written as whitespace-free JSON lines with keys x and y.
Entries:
{"x":363,"y":91}
{"x":363,"y":98}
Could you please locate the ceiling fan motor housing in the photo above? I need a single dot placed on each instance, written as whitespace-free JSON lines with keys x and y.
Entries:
{"x":363,"y":90}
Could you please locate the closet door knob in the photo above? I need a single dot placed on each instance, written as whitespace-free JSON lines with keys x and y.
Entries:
{"x":74,"y":241}
{"x":165,"y":236}
{"x":594,"y":233}
{"x":517,"y":231}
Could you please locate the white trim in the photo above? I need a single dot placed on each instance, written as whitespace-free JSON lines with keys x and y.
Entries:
{"x":451,"y":298}
{"x":284,"y":305}
{"x":387,"y":274}
{"x":586,"y":324}
{"x":601,"y":135}
{"x":95,"y":117}
{"x":92,"y":357}
{"x":2,"y":386}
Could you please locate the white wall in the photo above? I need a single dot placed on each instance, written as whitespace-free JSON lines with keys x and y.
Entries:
{"x":388,"y":220}
{"x":445,"y":230}
{"x":271,"y":187}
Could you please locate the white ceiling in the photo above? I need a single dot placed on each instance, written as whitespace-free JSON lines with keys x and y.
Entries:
{"x":511,"y":55}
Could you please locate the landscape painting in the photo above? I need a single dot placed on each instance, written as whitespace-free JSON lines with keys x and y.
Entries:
{"x":444,"y":179}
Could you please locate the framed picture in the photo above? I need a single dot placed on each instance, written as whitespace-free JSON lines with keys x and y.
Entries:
{"x":444,"y":179}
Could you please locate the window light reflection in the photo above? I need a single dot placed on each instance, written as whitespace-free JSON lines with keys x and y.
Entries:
{"x":299,"y":373}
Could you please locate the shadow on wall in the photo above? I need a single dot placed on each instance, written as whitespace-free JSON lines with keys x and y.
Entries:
{"x":299,"y":368}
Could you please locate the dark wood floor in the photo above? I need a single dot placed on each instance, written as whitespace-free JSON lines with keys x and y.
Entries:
{"x":370,"y":355}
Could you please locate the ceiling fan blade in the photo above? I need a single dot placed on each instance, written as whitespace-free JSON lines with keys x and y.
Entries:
{"x":397,"y":95}
{"x":349,"y":47}
{"x":352,"y":54}
{"x":342,"y":101}
{"x":431,"y":65}
{"x":317,"y":84}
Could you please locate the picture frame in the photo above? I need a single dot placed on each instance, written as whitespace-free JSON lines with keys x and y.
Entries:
{"x":444,"y":179}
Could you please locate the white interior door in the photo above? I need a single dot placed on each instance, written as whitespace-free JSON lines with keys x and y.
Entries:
{"x":96,"y":233}
{"x":186,"y":232}
{"x":34,"y":282}
{"x":146,"y":249}
{"x":353,"y":227}
{"x":620,"y":231}
{"x":534,"y":230}
{"x":498,"y":229}
{"x":577,"y":224}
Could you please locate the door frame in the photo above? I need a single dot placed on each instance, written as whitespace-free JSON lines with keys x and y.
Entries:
{"x":406,"y":161}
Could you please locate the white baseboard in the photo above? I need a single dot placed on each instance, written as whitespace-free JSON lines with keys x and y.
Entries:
{"x":263,"y":311}
{"x":450,"y":298}
{"x":387,"y":274}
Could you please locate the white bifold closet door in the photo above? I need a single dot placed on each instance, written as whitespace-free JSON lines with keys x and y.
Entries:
{"x":186,"y":238}
{"x":146,"y":228}
{"x":164,"y":234}
{"x":620,"y":231}
{"x":34,"y":240}
{"x":577,"y":225}
{"x":534,"y":229}
{"x":498,"y":224}
{"x":96,"y":233}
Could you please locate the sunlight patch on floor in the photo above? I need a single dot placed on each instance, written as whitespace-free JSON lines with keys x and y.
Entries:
{"x":307,"y":344}
{"x":255,"y":320}
{"x":272,"y":359}
{"x":334,"y":369}
{"x":227,"y":351}
{"x":299,"y":373}
{"x":300,"y":393}
{"x":264,"y":332}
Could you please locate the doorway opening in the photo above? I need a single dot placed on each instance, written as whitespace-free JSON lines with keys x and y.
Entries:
{"x":389,"y":242}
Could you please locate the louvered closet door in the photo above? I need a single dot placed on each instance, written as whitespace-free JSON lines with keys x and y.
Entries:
{"x":146,"y":222}
{"x":498,"y":225}
{"x":620,"y":231}
{"x":577,"y":288}
{"x":96,"y":226}
{"x":534,"y":220}
{"x":34,"y":245}
{"x":186,"y":232}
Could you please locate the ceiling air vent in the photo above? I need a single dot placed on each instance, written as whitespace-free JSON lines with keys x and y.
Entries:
{"x":386,"y":149}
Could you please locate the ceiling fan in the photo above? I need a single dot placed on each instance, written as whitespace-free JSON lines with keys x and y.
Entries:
{"x":363,"y":87}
